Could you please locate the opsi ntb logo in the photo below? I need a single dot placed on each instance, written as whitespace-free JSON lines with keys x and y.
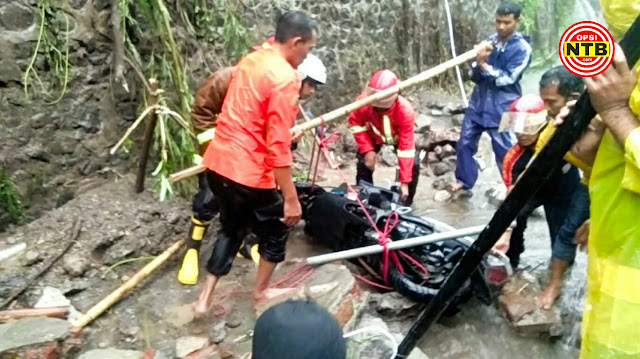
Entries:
{"x":586,"y":48}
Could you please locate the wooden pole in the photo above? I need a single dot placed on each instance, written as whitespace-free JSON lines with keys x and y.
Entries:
{"x":52,"y":312}
{"x":345,"y":110}
{"x":125,"y":288}
{"x":148,"y":137}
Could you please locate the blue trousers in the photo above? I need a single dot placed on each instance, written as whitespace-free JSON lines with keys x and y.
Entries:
{"x":466,"y":166}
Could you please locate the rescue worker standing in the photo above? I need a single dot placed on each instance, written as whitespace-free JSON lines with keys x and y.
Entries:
{"x":496,"y":75}
{"x":387,"y":122}
{"x":251,"y":155}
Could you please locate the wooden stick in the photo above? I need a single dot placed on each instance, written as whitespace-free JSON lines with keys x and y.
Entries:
{"x":75,"y":231}
{"x":125,"y":288}
{"x":148,"y":138}
{"x":345,"y":110}
{"x":53,"y":312}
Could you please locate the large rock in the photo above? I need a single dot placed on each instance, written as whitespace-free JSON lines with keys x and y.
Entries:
{"x":16,"y":17}
{"x":448,"y":151}
{"x":332,"y":286}
{"x":33,"y":337}
{"x":441,"y":168}
{"x":517,"y":300}
{"x":111,"y":353}
{"x":423,"y":123}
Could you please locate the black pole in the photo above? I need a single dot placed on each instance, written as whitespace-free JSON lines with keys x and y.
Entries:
{"x":540,"y":170}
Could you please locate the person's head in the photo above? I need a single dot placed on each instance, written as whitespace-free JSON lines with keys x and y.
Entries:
{"x":295,"y":36}
{"x":559,"y":86}
{"x":298,"y":329}
{"x":526,"y":117}
{"x":507,"y":19}
{"x":313,"y":74}
{"x":380,"y":81}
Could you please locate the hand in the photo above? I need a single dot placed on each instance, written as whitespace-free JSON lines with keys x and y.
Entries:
{"x":582,"y":235}
{"x":370,"y":159}
{"x":297,"y":134}
{"x":564,"y":112}
{"x":292,"y":211}
{"x":502,"y":245}
{"x":611,"y":89}
{"x":404,"y":191}
{"x":483,"y":53}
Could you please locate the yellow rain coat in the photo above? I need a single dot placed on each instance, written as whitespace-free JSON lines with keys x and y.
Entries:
{"x":611,"y":320}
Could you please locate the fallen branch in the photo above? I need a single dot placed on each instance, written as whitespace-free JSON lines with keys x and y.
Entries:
{"x":52,"y":312}
{"x":345,"y":110}
{"x":148,"y":138}
{"x":125,"y":288}
{"x":118,"y":46}
{"x":75,"y":232}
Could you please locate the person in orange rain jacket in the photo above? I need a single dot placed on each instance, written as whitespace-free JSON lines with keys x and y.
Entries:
{"x":251,"y":156}
{"x":386,"y":122}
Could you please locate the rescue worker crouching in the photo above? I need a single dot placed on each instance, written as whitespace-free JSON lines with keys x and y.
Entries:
{"x":387,"y":122}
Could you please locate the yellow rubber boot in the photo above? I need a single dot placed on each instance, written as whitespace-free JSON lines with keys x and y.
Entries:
{"x":188,"y":273}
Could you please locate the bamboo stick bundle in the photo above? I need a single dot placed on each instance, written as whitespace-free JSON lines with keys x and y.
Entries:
{"x":117,"y":294}
{"x":345,"y":110}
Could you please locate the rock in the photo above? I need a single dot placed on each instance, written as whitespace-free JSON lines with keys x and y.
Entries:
{"x":90,"y":122}
{"x":517,"y":300}
{"x":441,"y":168}
{"x":53,"y":297}
{"x":438,"y":151}
{"x":432,"y":158}
{"x":388,"y":157}
{"x":38,"y":121}
{"x":496,"y":195}
{"x":188,"y":345}
{"x":16,"y":17}
{"x":423,"y":123}
{"x":453,"y":109}
{"x":75,"y":265}
{"x":73,"y":287}
{"x":448,"y":151}
{"x":424,"y":141}
{"x":392,"y":304}
{"x":218,"y":332}
{"x":37,"y":152}
{"x":31,"y":334}
{"x":332,"y":286}
{"x":10,"y":72}
{"x":458,"y":119}
{"x":32,"y":257}
{"x":442,"y":196}
{"x":111,"y":353}
{"x":440,"y":183}
{"x":437,"y":113}
{"x":12,"y":250}
{"x":234,"y":320}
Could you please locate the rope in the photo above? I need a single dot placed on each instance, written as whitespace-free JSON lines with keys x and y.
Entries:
{"x":383,"y":236}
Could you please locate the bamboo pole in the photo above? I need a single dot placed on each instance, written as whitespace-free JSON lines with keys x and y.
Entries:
{"x":52,"y":312}
{"x":345,"y":110}
{"x":397,"y":245}
{"x":117,"y":294}
{"x":148,"y":137}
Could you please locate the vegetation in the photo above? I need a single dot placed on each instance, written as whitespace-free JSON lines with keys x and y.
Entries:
{"x":10,"y":198}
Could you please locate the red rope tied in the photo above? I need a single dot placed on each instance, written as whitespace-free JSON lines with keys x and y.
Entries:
{"x":390,"y":224}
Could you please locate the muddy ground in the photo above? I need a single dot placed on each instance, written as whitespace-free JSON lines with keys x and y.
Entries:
{"x":117,"y":225}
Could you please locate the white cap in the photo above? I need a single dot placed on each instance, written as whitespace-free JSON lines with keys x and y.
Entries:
{"x":313,"y":68}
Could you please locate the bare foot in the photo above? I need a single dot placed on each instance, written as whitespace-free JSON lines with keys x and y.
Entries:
{"x":271,"y":293}
{"x":548,"y":296}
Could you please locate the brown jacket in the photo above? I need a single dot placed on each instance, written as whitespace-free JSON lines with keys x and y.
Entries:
{"x":209,"y":98}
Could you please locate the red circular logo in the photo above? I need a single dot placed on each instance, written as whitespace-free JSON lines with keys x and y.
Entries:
{"x":586,"y":48}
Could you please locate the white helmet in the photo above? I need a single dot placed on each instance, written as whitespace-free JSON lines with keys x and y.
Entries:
{"x":313,"y":68}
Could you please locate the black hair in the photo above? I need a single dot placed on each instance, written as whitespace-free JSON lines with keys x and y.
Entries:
{"x":509,"y":8}
{"x":568,"y":83}
{"x":294,"y":24}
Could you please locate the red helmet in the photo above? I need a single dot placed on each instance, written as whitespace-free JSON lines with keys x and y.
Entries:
{"x":526,"y":115}
{"x":382,"y":80}
{"x":266,"y":44}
